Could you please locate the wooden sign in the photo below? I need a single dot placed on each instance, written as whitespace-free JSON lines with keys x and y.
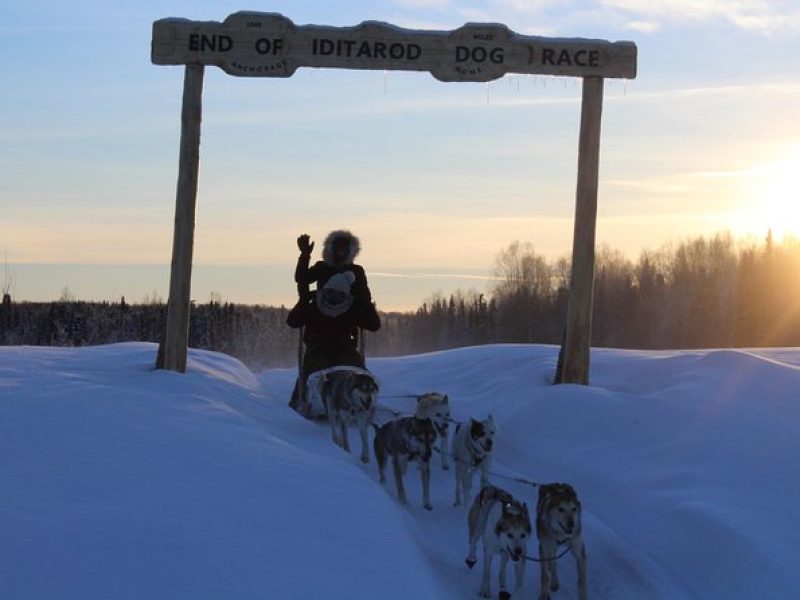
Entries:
{"x":255,"y":44}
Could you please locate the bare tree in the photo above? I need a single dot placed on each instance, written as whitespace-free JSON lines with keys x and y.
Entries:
{"x":8,"y":282}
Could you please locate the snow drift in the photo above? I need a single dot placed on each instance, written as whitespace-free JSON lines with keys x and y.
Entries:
{"x":122,"y":482}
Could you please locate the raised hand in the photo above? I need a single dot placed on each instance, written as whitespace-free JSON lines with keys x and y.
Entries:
{"x":305,"y":244}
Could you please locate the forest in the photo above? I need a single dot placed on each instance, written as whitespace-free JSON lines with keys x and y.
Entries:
{"x":705,"y":292}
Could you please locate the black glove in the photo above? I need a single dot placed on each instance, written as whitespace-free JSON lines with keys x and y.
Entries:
{"x":305,"y":244}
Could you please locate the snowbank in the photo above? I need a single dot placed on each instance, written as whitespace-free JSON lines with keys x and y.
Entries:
{"x":122,"y":482}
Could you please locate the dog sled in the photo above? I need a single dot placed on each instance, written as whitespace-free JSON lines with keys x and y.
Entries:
{"x":311,"y":405}
{"x":308,"y":400}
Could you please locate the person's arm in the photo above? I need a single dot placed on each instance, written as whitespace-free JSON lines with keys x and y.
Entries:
{"x":368,"y":318}
{"x":363,"y":296}
{"x":301,"y":271}
{"x":298,"y":316}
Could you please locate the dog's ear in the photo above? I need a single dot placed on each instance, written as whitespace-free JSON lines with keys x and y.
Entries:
{"x":525,"y":511}
{"x":445,"y":399}
{"x":490,"y":419}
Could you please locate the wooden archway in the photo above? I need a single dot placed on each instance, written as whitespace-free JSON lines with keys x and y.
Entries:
{"x":254,"y":44}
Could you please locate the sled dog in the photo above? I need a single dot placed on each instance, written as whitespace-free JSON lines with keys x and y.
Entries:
{"x":436,"y":407}
{"x":504,"y":525}
{"x":349,"y":396}
{"x":558,"y":522}
{"x":472,"y":450}
{"x":409,"y":438}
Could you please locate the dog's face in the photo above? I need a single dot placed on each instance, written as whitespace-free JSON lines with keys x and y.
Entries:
{"x":435,"y":407}
{"x":482,"y":434}
{"x":559,"y":509}
{"x":422,"y":435}
{"x":514,"y":530}
{"x":362,"y":390}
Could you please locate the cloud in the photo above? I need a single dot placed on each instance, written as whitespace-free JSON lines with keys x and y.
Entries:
{"x":646,"y":16}
{"x":751,"y":15}
{"x":424,"y":3}
{"x":643,"y":26}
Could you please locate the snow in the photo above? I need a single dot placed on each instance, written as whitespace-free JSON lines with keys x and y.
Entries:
{"x":123,"y":482}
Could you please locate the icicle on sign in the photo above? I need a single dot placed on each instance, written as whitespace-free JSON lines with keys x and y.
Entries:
{"x":255,"y":44}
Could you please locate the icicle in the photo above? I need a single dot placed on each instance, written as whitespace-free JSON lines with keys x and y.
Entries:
{"x":624,"y":87}
{"x":487,"y":93}
{"x":385,"y":82}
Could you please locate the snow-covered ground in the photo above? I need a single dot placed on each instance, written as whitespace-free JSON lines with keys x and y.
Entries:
{"x":120,"y":482}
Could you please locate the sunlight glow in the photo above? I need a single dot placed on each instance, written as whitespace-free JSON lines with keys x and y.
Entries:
{"x":773,"y":199}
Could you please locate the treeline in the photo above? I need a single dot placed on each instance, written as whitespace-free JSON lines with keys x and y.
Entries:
{"x":704,"y":292}
{"x":257,"y":335}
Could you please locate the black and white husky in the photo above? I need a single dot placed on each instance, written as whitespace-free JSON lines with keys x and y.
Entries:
{"x":558,"y":522}
{"x":404,"y":440}
{"x":472,"y":451}
{"x":349,"y":396}
{"x":436,"y":407}
{"x":504,"y":525}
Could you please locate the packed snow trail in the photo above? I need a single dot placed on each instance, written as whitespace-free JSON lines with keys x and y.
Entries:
{"x":674,"y":455}
{"x":122,"y":482}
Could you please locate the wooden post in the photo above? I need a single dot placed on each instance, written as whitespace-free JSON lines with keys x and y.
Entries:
{"x":579,"y":309}
{"x":175,"y":341}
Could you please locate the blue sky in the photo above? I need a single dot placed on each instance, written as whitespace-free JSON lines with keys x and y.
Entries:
{"x":435,"y":178}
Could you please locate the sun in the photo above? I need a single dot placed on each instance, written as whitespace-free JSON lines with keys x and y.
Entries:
{"x":772,"y":198}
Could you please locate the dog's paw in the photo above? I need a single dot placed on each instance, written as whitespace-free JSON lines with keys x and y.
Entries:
{"x":365,"y":459}
{"x":485,"y":594}
{"x":471,"y":562}
{"x":554,"y":586}
{"x":544,"y":595}
{"x":504,"y":595}
{"x":428,"y":506}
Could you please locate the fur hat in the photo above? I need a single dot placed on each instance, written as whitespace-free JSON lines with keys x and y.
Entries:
{"x":335,"y":236}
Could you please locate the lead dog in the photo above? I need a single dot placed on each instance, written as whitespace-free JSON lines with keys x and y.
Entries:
{"x":349,"y":396}
{"x":472,"y":450}
{"x":436,"y":407}
{"x":558,"y":523}
{"x":504,"y":525}
{"x":409,"y":438}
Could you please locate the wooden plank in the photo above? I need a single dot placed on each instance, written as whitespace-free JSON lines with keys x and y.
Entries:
{"x":176,"y":338}
{"x":256,"y":44}
{"x":579,"y":309}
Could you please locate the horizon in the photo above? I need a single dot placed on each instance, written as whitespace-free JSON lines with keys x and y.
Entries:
{"x":275,"y":287}
{"x":434,"y":178}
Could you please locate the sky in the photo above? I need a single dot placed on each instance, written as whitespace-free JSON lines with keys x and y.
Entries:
{"x":435,"y":178}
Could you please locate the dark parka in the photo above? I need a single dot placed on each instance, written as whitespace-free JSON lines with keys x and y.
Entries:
{"x":322,"y":270}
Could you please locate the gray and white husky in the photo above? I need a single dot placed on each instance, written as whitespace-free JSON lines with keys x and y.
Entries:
{"x":436,"y":407}
{"x":472,"y":451}
{"x":404,"y":440}
{"x":349,"y":396}
{"x":558,"y":522}
{"x":504,"y":525}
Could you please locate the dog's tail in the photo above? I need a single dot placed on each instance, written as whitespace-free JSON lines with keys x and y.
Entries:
{"x":490,"y":493}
